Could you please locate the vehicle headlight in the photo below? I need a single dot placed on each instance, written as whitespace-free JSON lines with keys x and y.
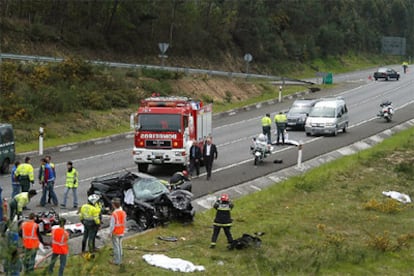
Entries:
{"x":177,"y":153}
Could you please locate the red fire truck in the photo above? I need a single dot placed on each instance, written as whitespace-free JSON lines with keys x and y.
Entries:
{"x":165,"y":128}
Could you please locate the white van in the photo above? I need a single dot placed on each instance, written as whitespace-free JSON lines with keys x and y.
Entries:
{"x":327,"y":117}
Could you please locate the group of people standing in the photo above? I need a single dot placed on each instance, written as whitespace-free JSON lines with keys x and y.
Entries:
{"x":280,"y":120}
{"x":207,"y":154}
{"x":22,"y":177}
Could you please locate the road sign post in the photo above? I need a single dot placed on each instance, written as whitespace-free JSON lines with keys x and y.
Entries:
{"x":41,"y":133}
{"x":163,"y":48}
{"x":248,"y":58}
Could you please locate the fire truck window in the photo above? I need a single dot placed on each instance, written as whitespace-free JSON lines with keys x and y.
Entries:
{"x":160,"y":122}
{"x":185,"y":121}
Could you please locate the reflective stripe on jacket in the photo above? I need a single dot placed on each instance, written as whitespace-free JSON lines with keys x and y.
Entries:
{"x":266,"y":121}
{"x":280,"y":119}
{"x":223,"y":215}
{"x":22,"y":200}
{"x":119,"y":217}
{"x":25,"y":170}
{"x":72,"y":178}
{"x":60,"y":239}
{"x":90,"y":212}
{"x":29,"y":234}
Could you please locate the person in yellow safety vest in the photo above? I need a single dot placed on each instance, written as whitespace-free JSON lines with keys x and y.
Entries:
{"x":266,"y":127}
{"x":25,"y":175}
{"x":31,"y":238}
{"x":280,"y":121}
{"x":60,"y":247}
{"x":72,"y":181}
{"x":117,"y":229}
{"x":89,"y":216}
{"x":19,"y":202}
{"x":405,"y":66}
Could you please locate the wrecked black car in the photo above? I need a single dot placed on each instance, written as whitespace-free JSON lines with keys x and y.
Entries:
{"x":146,"y":199}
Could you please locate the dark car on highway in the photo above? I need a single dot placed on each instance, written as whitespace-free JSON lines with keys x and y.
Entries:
{"x":386,"y":74}
{"x":298,"y":112}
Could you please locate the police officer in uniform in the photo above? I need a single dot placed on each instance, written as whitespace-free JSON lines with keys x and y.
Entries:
{"x":280,"y":121}
{"x":266,"y":127}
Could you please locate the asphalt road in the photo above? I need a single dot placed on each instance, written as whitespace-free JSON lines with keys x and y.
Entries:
{"x":233,"y":133}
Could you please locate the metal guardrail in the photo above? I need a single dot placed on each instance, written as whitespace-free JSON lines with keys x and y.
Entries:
{"x":156,"y":67}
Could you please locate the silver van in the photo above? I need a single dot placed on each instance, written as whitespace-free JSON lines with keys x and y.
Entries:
{"x":327,"y":117}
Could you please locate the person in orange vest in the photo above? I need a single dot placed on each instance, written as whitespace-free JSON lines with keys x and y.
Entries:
{"x":31,"y":238}
{"x":117,"y":229}
{"x":60,"y":247}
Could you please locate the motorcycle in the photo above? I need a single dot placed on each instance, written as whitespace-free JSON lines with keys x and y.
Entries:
{"x":46,"y":220}
{"x":386,"y":111}
{"x":260,"y":148}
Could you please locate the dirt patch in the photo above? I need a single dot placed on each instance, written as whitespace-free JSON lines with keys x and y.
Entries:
{"x":217,"y":89}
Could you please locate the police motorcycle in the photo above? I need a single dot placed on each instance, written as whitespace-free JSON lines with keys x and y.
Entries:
{"x":386,"y":111}
{"x":260,"y":148}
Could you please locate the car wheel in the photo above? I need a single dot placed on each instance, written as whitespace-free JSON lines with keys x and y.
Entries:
{"x":344,"y":129}
{"x":5,"y":166}
{"x":308,"y":134}
{"x":386,"y":78}
{"x":142,"y":221}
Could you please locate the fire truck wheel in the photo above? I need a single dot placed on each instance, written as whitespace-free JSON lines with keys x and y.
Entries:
{"x":143,"y":168}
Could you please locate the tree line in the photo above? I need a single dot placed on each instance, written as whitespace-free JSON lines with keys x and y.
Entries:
{"x":271,"y":31}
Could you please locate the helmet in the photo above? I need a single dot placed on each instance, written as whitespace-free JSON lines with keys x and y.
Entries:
{"x":262,"y":138}
{"x":224,"y":197}
{"x":93,"y":198}
{"x":185,"y":173}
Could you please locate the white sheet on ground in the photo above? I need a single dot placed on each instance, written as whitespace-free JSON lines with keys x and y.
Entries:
{"x":398,"y":196}
{"x":174,"y":264}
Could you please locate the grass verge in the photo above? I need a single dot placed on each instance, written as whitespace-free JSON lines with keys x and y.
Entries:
{"x":332,"y":220}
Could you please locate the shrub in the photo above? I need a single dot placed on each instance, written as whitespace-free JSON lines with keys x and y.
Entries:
{"x":160,"y":74}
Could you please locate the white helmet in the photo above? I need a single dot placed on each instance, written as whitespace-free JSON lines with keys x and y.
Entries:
{"x":93,"y":198}
{"x":262,"y":138}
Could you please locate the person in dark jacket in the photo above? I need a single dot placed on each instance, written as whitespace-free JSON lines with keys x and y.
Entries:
{"x":195,"y":157}
{"x":222,"y":220}
{"x":209,"y":154}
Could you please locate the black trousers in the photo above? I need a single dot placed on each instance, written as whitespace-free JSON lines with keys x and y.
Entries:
{"x":194,"y":164}
{"x":89,"y":235}
{"x":280,"y":133}
{"x":266,"y":131}
{"x":208,"y":162}
{"x":216,"y":232}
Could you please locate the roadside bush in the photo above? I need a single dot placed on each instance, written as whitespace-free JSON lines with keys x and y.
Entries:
{"x":8,"y":76}
{"x":160,"y":74}
{"x":74,"y":69}
{"x":161,"y":87}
